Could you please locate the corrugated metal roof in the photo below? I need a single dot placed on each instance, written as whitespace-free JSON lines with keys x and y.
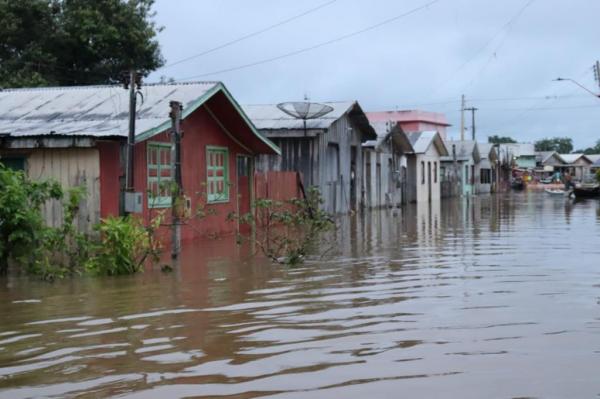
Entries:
{"x":485,"y":149}
{"x":465,"y":150}
{"x":91,"y":110}
{"x":269,"y":117}
{"x":421,"y":141}
{"x":572,"y":158}
{"x":595,"y":158}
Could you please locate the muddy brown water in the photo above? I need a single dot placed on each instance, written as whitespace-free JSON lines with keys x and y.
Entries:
{"x":497,"y":297}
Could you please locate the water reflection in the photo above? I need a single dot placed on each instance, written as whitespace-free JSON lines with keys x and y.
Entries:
{"x":496,"y":296}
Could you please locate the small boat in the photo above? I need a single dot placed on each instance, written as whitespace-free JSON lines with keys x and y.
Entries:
{"x":555,"y":191}
{"x":586,"y":190}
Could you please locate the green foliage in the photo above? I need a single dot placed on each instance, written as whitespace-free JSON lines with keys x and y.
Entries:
{"x":68,"y":42}
{"x":598,"y":175}
{"x":120,"y":246}
{"x":22,"y":227}
{"x":285,"y":231}
{"x":590,"y":150}
{"x":501,"y":140}
{"x":124,"y":246}
{"x":562,"y":145}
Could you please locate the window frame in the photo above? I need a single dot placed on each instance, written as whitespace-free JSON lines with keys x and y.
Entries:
{"x":226,"y":175}
{"x":159,"y":201}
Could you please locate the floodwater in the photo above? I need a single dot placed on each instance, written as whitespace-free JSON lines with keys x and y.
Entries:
{"x":497,"y":297}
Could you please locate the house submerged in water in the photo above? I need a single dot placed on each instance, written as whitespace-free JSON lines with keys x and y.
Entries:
{"x":77,"y":135}
{"x":328,"y":154}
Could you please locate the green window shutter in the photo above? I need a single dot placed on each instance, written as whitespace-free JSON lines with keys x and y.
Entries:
{"x":160,"y":175}
{"x":217,"y":174}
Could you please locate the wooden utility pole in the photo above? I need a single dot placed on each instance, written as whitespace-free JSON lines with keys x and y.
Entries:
{"x":177,"y":205}
{"x":472,"y":109}
{"x":597,"y":72}
{"x":462,"y":118}
{"x":131,"y":134}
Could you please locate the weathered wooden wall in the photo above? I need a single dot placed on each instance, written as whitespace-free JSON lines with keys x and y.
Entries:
{"x":336,"y":187}
{"x":72,"y":167}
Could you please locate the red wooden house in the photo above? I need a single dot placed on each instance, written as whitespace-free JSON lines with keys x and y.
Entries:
{"x":78,"y":135}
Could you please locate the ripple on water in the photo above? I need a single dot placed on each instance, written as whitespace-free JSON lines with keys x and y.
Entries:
{"x":449,"y":300}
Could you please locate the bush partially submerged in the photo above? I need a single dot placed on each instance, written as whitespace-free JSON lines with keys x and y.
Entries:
{"x":286,"y":231}
{"x":124,"y":246}
{"x":117,"y":246}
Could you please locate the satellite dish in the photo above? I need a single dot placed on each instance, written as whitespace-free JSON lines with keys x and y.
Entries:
{"x":304,"y":110}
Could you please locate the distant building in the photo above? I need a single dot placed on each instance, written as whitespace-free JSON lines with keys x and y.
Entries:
{"x":385,"y":166}
{"x":519,"y":155}
{"x":467,"y":156}
{"x":413,"y":120}
{"x":578,"y":165}
{"x":486,"y":168}
{"x":328,"y":154}
{"x":423,"y":166}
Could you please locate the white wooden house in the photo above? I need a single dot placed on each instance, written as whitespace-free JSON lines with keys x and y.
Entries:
{"x":423,"y":166}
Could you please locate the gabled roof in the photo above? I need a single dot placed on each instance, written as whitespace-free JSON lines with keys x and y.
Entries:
{"x":572,"y":158}
{"x":487,"y":151}
{"x":102,"y":111}
{"x":544,"y":156}
{"x":465,"y":150}
{"x":421,"y":141}
{"x":267,"y":117}
{"x":387,"y":131}
{"x":593,"y":157}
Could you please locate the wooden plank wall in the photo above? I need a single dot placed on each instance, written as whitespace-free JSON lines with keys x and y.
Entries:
{"x":71,"y":167}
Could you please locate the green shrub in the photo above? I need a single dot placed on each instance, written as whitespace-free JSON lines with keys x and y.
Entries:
{"x":120,"y":245}
{"x":22,"y":227}
{"x":285,"y":231}
{"x":123,"y":246}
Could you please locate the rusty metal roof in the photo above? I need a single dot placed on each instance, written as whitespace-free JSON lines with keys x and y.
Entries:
{"x":97,"y":111}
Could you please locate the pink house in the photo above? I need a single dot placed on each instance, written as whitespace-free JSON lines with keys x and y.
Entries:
{"x":413,"y":120}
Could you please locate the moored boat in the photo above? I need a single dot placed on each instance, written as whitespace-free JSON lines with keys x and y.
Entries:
{"x":555,"y":191}
{"x":586,"y":190}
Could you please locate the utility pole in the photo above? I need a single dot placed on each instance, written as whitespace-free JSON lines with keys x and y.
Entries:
{"x":177,"y":205}
{"x":462,"y":118}
{"x":472,"y":109}
{"x":131,"y":136}
{"x":597,"y":72}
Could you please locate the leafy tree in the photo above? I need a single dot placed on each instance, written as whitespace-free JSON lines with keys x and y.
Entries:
{"x":501,"y":139}
{"x":71,"y":42}
{"x":590,"y":150}
{"x":562,"y":145}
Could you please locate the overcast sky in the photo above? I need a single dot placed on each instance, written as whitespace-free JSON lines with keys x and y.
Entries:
{"x":503,"y":55}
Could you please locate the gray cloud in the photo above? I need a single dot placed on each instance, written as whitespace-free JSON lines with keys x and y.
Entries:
{"x":406,"y":63}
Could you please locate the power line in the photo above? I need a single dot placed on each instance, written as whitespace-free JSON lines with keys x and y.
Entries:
{"x":507,"y":28}
{"x":482,"y":48}
{"x":249,"y":35}
{"x":498,"y":99}
{"x":316,"y":46}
